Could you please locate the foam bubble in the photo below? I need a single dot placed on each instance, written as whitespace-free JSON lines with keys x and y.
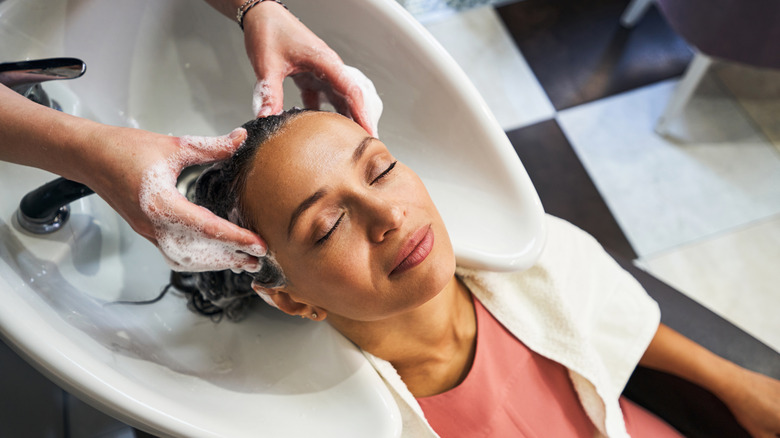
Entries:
{"x":187,"y":248}
{"x":372,"y":103}
{"x":261,"y":95}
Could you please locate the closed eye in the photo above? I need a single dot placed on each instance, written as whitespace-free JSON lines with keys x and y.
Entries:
{"x":327,"y":235}
{"x":383,"y":174}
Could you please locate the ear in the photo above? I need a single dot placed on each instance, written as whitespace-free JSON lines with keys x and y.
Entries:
{"x":282,"y":300}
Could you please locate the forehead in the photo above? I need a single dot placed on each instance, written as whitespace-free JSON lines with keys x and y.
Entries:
{"x":308,"y":139}
{"x":311,"y":150}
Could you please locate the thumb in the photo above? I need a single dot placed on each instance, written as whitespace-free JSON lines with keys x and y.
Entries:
{"x":268,"y":97}
{"x":200,"y":150}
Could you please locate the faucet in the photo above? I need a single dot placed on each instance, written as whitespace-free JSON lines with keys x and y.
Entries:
{"x":25,"y":77}
{"x":45,"y":209}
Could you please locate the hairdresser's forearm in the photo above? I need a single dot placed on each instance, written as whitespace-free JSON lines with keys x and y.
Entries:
{"x":33,"y":135}
{"x":675,"y":354}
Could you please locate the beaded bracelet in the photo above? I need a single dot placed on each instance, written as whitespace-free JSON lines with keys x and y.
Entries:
{"x":249,"y":4}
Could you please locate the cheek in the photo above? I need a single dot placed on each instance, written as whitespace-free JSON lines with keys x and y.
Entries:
{"x":333,"y":278}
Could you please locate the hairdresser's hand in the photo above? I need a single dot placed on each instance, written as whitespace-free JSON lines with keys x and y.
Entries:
{"x":135,"y":172}
{"x":120,"y":163}
{"x":279,"y":45}
{"x":754,"y":399}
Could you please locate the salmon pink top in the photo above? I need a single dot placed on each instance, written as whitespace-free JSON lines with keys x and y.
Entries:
{"x":513,"y":391}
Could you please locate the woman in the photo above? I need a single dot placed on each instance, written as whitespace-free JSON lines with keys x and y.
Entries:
{"x":356,"y":240}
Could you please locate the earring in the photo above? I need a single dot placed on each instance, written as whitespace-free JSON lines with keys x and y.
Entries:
{"x":313,"y":315}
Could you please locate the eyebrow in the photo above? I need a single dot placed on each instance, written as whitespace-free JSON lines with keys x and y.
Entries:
{"x":319,"y":194}
{"x":361,"y":149}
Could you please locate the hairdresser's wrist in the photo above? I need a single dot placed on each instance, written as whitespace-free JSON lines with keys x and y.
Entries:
{"x":113,"y":159}
{"x":230,"y":8}
{"x":262,"y":15}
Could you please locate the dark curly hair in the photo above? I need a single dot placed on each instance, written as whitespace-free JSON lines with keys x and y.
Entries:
{"x":218,"y":189}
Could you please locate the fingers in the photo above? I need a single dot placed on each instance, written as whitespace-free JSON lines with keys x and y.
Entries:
{"x":344,"y":84}
{"x":264,"y":293}
{"x":190,"y":237}
{"x":186,"y":248}
{"x":314,"y":91}
{"x":200,"y":150}
{"x":350,"y":92}
{"x":214,"y":227}
{"x":368,"y":106}
{"x":311,"y":99}
{"x":193,"y":262}
{"x":193,"y":239}
{"x":268,"y":96}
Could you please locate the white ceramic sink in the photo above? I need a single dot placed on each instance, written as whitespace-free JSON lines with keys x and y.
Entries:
{"x":178,"y":67}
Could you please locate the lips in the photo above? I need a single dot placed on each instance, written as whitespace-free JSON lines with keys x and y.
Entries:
{"x":414,"y":250}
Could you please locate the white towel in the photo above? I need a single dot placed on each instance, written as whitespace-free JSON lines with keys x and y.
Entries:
{"x":576,"y":306}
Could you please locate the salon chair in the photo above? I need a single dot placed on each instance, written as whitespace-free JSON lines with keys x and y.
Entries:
{"x":692,"y":410}
{"x":744,"y":31}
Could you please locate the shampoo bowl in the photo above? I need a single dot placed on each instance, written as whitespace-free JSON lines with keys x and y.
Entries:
{"x":178,"y":67}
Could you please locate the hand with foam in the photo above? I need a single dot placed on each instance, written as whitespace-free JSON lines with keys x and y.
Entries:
{"x":135,"y":171}
{"x":279,"y":45}
{"x":138,"y":179}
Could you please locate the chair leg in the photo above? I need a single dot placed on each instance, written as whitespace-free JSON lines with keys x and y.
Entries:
{"x":683,"y":92}
{"x":634,"y":11}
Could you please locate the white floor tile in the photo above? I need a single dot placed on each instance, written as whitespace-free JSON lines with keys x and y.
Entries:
{"x":723,"y":174}
{"x":430,"y":10}
{"x":482,"y":47}
{"x":735,"y":275}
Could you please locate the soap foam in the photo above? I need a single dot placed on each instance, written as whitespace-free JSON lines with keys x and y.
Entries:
{"x":184,"y":243}
{"x":372,"y":103}
{"x":261,"y":95}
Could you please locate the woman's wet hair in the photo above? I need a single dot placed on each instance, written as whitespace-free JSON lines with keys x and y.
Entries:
{"x":219,"y":189}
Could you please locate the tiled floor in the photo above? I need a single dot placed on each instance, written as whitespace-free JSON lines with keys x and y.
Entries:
{"x":664,"y":194}
{"x":701,"y":210}
{"x":579,"y":53}
{"x":578,"y":97}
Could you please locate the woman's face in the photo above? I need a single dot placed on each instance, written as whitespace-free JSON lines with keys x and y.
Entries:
{"x":355,"y":231}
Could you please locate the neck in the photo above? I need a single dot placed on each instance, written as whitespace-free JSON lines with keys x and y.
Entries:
{"x":432,"y":346}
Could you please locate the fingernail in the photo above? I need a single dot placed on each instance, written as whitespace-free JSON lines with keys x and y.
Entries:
{"x":237,"y":133}
{"x":258,"y":250}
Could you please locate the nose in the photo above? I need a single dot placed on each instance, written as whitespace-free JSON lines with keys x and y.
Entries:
{"x":384,"y":217}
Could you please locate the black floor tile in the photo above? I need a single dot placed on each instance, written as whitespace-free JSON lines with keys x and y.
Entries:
{"x":580,"y":53}
{"x":564,"y":186}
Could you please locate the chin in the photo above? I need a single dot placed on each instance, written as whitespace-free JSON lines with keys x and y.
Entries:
{"x":439,"y":272}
